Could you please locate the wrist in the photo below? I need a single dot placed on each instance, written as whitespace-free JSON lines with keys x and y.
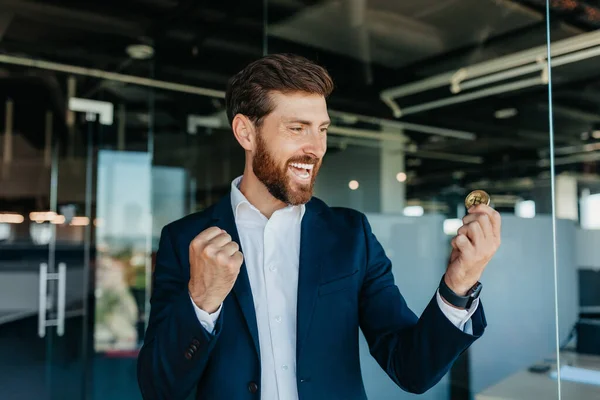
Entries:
{"x":207,"y":306}
{"x":458,"y":299}
{"x":203,"y":302}
{"x":459,"y":288}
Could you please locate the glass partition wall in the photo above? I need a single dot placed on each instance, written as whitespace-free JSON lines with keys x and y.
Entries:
{"x":432,"y":100}
{"x":574,"y":33}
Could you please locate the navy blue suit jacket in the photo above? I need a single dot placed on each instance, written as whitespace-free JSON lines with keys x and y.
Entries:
{"x":345,"y":283}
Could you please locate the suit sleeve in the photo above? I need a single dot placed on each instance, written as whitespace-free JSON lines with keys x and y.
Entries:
{"x":415,"y":352}
{"x":176,"y":346}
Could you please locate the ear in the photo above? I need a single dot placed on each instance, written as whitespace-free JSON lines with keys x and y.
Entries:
{"x":244,"y":131}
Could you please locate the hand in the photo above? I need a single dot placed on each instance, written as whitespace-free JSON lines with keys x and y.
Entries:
{"x":215,"y":262}
{"x":473,"y":247}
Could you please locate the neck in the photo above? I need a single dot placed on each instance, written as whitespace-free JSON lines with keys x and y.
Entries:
{"x":258,"y":195}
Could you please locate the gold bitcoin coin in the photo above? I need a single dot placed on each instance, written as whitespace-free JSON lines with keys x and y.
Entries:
{"x":477,"y":197}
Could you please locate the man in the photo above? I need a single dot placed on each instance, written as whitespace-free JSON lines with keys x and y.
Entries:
{"x":262,"y":295}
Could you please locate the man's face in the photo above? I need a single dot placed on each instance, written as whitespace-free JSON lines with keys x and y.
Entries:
{"x":290,"y":146}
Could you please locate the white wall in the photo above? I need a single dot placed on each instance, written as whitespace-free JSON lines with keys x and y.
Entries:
{"x":587,"y":248}
{"x":418,"y":250}
{"x":519,"y":299}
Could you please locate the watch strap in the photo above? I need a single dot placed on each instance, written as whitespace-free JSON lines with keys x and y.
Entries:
{"x":457,"y":300}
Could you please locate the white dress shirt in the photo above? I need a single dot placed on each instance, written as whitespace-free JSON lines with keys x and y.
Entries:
{"x":271,"y":252}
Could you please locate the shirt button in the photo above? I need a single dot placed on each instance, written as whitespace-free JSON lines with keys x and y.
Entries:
{"x":252,"y":387}
{"x":278,"y":318}
{"x":273,"y":268}
{"x":284,"y":367}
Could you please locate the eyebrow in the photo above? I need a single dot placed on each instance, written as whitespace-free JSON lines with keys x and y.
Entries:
{"x":304,"y":122}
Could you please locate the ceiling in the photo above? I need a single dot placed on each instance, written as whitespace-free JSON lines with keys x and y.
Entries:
{"x":366,"y":46}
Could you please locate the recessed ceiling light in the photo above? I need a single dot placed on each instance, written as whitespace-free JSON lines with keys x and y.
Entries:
{"x":401,"y":177}
{"x":505,"y":113}
{"x":353,"y":185}
{"x":140,"y":51}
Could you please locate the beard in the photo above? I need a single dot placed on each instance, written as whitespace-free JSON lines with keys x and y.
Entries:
{"x":276,"y":178}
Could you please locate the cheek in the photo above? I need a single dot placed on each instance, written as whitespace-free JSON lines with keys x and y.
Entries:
{"x":287,"y":149}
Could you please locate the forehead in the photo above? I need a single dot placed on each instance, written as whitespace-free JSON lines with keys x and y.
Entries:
{"x":300,"y":105}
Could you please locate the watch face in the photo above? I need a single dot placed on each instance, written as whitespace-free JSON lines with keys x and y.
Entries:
{"x":474,"y":291}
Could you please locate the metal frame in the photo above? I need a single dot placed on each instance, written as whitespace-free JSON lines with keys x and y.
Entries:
{"x":519,"y":64}
{"x":61,"y":278}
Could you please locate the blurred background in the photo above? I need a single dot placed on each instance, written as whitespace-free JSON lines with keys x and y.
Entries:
{"x":112,"y":124}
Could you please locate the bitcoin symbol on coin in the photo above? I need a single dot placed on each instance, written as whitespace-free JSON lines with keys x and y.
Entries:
{"x":477,"y":197}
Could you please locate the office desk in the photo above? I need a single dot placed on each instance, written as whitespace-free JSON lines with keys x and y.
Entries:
{"x":525,"y":385}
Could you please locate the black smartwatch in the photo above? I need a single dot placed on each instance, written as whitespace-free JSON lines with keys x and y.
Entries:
{"x":460,"y":301}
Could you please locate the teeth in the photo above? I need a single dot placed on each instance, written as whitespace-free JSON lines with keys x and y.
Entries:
{"x":304,"y":166}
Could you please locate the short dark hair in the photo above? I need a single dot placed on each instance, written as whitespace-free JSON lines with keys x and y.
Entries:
{"x":248,"y":90}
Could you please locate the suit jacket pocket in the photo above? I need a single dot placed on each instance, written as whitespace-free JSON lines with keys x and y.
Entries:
{"x":343,"y":283}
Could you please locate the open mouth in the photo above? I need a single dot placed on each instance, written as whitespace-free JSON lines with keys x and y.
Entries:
{"x":301,"y":171}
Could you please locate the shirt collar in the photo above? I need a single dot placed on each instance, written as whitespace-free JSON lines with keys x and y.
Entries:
{"x":238,"y":199}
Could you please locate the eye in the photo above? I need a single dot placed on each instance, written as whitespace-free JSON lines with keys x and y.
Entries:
{"x":323,"y":130}
{"x":296,"y":128}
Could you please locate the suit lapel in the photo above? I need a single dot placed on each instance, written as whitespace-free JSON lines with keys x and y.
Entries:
{"x":223,"y":216}
{"x":312,"y":244}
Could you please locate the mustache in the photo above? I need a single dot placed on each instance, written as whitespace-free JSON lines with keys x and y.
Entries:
{"x":306,"y":159}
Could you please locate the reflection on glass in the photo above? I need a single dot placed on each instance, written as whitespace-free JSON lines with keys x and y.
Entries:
{"x":434,"y":100}
{"x":575,"y":48}
{"x":590,"y":210}
{"x":124,"y":204}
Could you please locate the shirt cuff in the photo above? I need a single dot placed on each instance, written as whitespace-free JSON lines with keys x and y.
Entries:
{"x":459,"y":318}
{"x":207,"y":320}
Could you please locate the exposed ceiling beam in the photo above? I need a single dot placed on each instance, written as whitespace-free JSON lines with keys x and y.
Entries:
{"x":77,"y":18}
{"x":371,"y":140}
{"x":572,"y":112}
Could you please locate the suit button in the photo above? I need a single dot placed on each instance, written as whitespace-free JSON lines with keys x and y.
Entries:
{"x":253,"y":387}
{"x":193,"y":348}
{"x":196,"y":343}
{"x":189,"y":355}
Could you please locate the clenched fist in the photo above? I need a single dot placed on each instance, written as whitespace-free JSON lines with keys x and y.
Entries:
{"x":215,"y":262}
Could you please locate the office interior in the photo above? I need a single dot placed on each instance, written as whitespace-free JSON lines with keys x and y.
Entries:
{"x":112,"y":124}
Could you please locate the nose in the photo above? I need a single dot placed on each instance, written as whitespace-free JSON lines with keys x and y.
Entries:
{"x":316,"y":144}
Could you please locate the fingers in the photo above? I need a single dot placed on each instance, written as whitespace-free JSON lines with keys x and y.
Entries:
{"x":229,"y":261}
{"x":220,"y":240}
{"x":473,"y":231}
{"x":214,"y":241}
{"x":463,"y":244}
{"x":230,"y":249}
{"x":208,"y":234}
{"x":493,"y":215}
{"x":481,"y":220}
{"x":237,"y":258}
